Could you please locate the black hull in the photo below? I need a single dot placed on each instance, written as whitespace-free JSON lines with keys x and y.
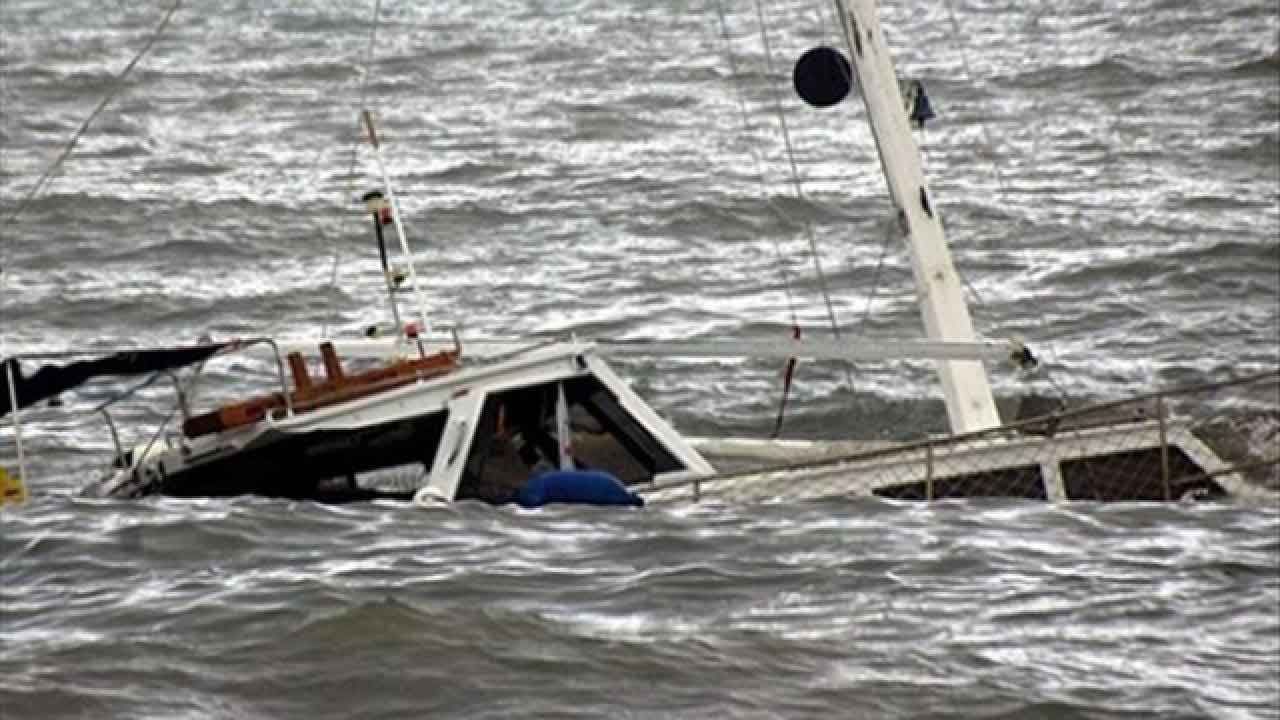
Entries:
{"x":320,"y":465}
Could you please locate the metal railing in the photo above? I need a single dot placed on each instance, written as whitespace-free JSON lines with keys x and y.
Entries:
{"x":1151,"y":447}
{"x":180,"y":399}
{"x":181,"y":405}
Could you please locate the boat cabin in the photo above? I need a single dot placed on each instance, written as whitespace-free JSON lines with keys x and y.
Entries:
{"x":462,"y":431}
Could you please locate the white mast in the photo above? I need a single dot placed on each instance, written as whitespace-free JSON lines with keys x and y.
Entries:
{"x":970,"y":404}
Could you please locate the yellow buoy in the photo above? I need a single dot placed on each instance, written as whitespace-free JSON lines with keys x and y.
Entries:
{"x":11,"y":488}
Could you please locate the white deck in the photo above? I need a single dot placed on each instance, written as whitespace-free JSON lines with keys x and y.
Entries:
{"x":807,"y":471}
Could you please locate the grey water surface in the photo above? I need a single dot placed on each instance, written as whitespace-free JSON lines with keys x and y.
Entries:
{"x":1109,"y":174}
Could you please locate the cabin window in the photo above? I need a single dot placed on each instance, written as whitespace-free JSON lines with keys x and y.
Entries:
{"x":1135,"y":475}
{"x":387,"y":460}
{"x":1015,"y":482}
{"x":516,"y":438}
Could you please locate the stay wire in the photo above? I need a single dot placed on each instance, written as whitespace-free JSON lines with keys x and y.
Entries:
{"x":969,"y":78}
{"x":349,"y":187}
{"x":116,"y":86}
{"x":875,"y":278}
{"x":364,"y":92}
{"x":796,"y":183}
{"x":988,"y":142}
{"x":958,"y":34}
{"x":749,"y":132}
{"x":830,"y":23}
{"x":797,"y":186}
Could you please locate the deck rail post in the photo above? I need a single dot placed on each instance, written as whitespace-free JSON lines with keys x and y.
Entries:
{"x":928,"y":471}
{"x":284,"y":384}
{"x":9,"y":364}
{"x":115,"y":435}
{"x":180,"y":394}
{"x":1164,"y":448}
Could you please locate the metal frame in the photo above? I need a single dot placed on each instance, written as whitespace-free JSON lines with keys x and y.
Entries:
{"x":180,"y":405}
{"x":460,"y":393}
{"x":1002,"y":447}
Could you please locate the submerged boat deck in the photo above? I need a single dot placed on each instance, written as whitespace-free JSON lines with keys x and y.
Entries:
{"x":1138,"y":450}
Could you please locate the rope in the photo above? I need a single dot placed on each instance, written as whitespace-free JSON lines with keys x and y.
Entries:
{"x":355,"y":146}
{"x":924,"y":160}
{"x":789,"y":371}
{"x":958,"y":34}
{"x":84,"y":126}
{"x":796,"y":183}
{"x":795,"y":169}
{"x":364,"y":88}
{"x":875,"y":278}
{"x":968,"y":71}
{"x":828,"y":23}
{"x":364,"y":91}
{"x":748,"y":130}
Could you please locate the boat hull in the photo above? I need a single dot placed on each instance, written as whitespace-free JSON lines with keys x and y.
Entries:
{"x":1130,"y":462}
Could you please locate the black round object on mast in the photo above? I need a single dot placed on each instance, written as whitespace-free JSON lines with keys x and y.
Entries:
{"x":822,"y":76}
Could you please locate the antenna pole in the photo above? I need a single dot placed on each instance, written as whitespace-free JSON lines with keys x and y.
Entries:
{"x":378,"y":209}
{"x":395,"y":216}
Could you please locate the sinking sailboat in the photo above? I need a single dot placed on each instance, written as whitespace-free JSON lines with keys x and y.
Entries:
{"x":446,"y":421}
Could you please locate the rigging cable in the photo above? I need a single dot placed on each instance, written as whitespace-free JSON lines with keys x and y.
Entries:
{"x":958,"y":33}
{"x":824,"y":19}
{"x":748,"y":130}
{"x":43,"y":182}
{"x":789,"y":372}
{"x":348,"y":189}
{"x":830,"y":24}
{"x":364,"y":91}
{"x":969,"y":76}
{"x":795,"y":176}
{"x":84,"y":126}
{"x":798,"y":187}
{"x":986,"y":135}
{"x":875,"y":278}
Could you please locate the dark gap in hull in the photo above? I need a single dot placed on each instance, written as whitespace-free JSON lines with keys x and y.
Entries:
{"x":320,"y":465}
{"x":1111,"y":477}
{"x":1017,"y":482}
{"x":515,"y":440}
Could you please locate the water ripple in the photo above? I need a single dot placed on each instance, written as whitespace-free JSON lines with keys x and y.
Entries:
{"x":1109,"y":181}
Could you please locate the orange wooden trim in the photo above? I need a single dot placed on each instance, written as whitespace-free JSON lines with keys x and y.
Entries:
{"x":332,"y":365}
{"x":318,"y":395}
{"x":298,"y":368}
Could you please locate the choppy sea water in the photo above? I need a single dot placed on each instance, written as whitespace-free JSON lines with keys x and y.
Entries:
{"x":1109,"y":177}
{"x":255,"y":609}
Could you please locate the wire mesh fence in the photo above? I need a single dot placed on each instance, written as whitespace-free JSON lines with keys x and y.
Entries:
{"x":1158,"y":448}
